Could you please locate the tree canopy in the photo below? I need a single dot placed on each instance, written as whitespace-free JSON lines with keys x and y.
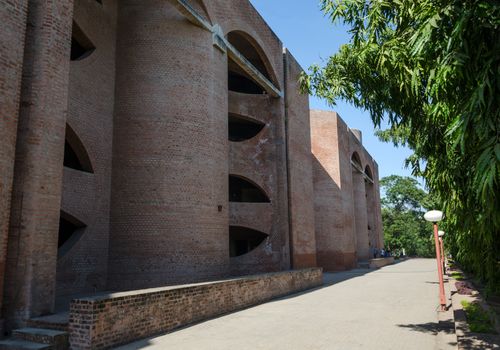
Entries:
{"x":431,"y":70}
{"x":403,"y":205}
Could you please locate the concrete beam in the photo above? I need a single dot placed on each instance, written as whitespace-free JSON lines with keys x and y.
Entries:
{"x":356,"y":166}
{"x":221,"y":42}
{"x":254,"y":73}
{"x":190,"y":13}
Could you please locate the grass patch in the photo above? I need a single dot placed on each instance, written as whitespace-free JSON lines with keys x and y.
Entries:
{"x":458,"y":276}
{"x":478,"y":319}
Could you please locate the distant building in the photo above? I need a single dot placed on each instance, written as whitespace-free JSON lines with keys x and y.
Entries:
{"x":147,"y":143}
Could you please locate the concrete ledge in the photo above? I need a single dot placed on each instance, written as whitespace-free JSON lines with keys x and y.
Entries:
{"x":105,"y":321}
{"x":381,"y":262}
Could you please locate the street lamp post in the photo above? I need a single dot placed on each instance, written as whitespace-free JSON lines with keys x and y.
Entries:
{"x":435,"y":216}
{"x":441,"y":244}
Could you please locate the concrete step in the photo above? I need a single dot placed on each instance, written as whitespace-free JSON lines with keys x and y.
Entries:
{"x":58,"y":339}
{"x":18,"y":344}
{"x":57,"y":322}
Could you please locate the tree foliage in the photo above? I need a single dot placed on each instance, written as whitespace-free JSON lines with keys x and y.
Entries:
{"x":403,"y":205}
{"x":431,"y":69}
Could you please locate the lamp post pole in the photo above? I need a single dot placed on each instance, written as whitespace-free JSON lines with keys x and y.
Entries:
{"x":441,"y":244}
{"x":435,"y":216}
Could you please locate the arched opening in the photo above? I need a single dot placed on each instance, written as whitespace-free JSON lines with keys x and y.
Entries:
{"x":356,"y":162}
{"x":70,"y":229}
{"x":368,"y":173}
{"x":370,"y":212}
{"x":75,"y":155}
{"x":360,"y":209}
{"x":238,"y":79}
{"x":243,"y":240}
{"x":81,"y":46}
{"x":243,"y":128}
{"x":243,"y":190}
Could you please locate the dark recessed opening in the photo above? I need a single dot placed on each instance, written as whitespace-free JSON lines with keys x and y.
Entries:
{"x":242,"y":190}
{"x":238,"y":79}
{"x":243,"y":240}
{"x":81,"y":46}
{"x":247,"y":46}
{"x":70,"y":158}
{"x":75,"y":155}
{"x":68,"y":227}
{"x":240,"y":82}
{"x":241,"y":129}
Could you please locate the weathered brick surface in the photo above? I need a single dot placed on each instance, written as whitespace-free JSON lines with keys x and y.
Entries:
{"x":106,"y":321}
{"x":86,"y":196}
{"x":13,"y":19}
{"x":169,"y":151}
{"x":36,"y":195}
{"x":341,"y":210}
{"x":300,"y":173}
{"x":260,"y":159}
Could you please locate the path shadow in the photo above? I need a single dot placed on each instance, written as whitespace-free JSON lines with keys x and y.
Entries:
{"x":431,"y":327}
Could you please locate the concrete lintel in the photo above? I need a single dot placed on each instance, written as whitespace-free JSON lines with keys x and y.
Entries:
{"x":366,"y":177}
{"x":250,"y":69}
{"x":191,"y":14}
{"x":222,"y":44}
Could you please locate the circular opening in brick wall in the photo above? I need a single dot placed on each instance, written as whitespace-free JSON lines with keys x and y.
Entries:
{"x":75,"y":155}
{"x":243,"y":190}
{"x":243,"y":128}
{"x":70,"y":231}
{"x":243,"y":240}
{"x":81,"y":46}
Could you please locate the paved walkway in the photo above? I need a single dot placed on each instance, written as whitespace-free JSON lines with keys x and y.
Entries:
{"x":390,"y":308}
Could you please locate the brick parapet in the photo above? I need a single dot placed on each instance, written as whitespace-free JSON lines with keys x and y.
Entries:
{"x":106,"y":321}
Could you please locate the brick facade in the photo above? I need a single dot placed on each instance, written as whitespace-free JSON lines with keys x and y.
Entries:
{"x":346,"y":203}
{"x":116,"y":154}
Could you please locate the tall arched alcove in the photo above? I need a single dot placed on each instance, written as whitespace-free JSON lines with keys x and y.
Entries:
{"x":360,"y":208}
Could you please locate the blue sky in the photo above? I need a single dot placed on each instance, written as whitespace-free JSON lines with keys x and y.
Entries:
{"x":312,"y":38}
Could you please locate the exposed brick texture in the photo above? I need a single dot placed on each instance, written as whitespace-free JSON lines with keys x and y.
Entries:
{"x":106,"y":321}
{"x":170,"y":151}
{"x":302,"y":234}
{"x":86,"y":196}
{"x":36,"y":197}
{"x":13,"y":19}
{"x":340,"y":195}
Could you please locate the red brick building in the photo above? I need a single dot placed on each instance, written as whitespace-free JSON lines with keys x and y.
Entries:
{"x":156,"y":142}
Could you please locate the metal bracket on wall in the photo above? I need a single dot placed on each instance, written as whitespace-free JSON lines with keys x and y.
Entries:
{"x":222,"y":44}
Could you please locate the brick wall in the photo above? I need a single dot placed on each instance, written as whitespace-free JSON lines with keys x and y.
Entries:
{"x":300,"y":174}
{"x":13,"y":19}
{"x":343,"y":210}
{"x":262,"y":159}
{"x":110,"y":320}
{"x":36,"y":194}
{"x":86,"y":196}
{"x":170,"y":149}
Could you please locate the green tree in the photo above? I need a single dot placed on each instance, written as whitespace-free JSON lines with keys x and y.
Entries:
{"x":403,"y":205}
{"x":431,"y":70}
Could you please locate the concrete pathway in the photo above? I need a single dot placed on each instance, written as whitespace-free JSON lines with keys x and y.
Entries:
{"x":390,"y":308}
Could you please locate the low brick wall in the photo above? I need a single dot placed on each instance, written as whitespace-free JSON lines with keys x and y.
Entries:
{"x":105,"y":321}
{"x":381,"y":262}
